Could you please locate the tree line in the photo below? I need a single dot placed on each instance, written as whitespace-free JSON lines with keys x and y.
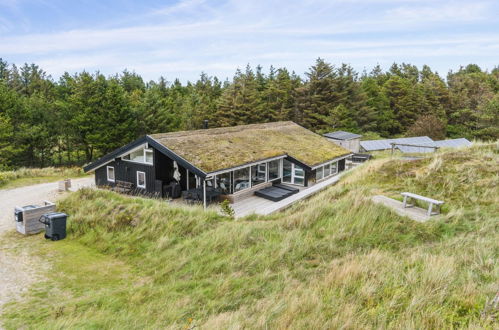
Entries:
{"x":85,"y":115}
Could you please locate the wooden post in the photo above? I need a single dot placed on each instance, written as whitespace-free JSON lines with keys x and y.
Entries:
{"x":204,"y":194}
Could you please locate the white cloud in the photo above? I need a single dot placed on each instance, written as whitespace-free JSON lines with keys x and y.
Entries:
{"x":454,"y":11}
{"x":197,"y":35}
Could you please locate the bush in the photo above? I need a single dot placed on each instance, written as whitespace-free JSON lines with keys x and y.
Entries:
{"x":227,"y":209}
{"x":428,"y":125}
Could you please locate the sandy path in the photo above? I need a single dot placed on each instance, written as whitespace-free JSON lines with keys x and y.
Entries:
{"x":19,"y":269}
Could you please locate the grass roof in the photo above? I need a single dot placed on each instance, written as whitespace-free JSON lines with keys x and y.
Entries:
{"x":226,"y":147}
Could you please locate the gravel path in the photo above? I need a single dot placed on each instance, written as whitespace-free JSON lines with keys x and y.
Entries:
{"x":19,"y":269}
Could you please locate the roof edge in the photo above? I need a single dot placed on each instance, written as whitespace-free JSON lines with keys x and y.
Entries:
{"x":113,"y":154}
{"x":142,"y":140}
{"x":332,"y":160}
{"x":171,"y":154}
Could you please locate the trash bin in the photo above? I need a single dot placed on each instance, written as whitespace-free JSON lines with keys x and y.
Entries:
{"x":55,"y":225}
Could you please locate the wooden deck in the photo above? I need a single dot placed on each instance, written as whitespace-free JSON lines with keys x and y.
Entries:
{"x":263,"y":206}
{"x":415,"y":213}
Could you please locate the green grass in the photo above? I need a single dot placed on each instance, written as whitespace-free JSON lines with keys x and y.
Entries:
{"x":30,"y":176}
{"x":335,"y":260}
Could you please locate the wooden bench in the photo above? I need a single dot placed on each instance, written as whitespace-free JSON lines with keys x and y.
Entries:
{"x":408,"y":196}
{"x":123,"y":186}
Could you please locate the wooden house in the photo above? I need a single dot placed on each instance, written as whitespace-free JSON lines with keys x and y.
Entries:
{"x":235,"y":161}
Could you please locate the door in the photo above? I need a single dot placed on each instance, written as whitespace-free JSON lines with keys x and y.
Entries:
{"x":292,"y":173}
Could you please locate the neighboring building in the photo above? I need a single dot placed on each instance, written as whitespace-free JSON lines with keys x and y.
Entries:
{"x":346,"y":140}
{"x":234,"y":161}
{"x":418,"y":144}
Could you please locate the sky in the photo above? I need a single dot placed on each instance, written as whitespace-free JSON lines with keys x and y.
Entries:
{"x":181,"y":39}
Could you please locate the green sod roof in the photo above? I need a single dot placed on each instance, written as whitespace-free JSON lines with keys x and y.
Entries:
{"x":216,"y":149}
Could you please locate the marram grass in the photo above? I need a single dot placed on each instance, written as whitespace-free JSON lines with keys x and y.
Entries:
{"x":333,"y":261}
{"x":28,"y":176}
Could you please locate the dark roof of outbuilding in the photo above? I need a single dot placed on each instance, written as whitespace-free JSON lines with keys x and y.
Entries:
{"x":342,"y":135}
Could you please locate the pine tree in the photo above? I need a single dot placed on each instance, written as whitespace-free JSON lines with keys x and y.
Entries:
{"x":404,"y":102}
{"x":240,"y":103}
{"x":9,"y":108}
{"x":279,"y":96}
{"x":322,"y":97}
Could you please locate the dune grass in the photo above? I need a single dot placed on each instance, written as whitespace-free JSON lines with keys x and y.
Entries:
{"x":335,"y":260}
{"x":28,"y":176}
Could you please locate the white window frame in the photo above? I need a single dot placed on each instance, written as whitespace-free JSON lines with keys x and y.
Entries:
{"x":294,"y":176}
{"x":107,"y":174}
{"x":144,"y":152}
{"x":141,"y":186}
{"x":145,"y":157}
{"x":321,"y":171}
{"x":331,"y":173}
{"x":279,"y":170}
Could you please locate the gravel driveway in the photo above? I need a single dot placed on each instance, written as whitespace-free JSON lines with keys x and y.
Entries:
{"x":19,"y":269}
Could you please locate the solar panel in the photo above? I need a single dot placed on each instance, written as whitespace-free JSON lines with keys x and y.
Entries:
{"x":419,"y":149}
{"x":453,"y":143}
{"x":373,"y":145}
{"x":342,"y":135}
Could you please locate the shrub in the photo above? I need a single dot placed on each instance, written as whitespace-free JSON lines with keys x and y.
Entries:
{"x":227,"y":209}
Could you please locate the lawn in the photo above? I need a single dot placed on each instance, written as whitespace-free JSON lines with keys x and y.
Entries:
{"x":334,"y":260}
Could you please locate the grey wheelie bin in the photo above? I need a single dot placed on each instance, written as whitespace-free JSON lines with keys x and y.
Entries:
{"x":55,"y":225}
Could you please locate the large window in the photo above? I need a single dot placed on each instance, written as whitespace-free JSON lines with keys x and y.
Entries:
{"x":210,"y":183}
{"x":293,"y":173}
{"x":287,"y":171}
{"x":258,"y":174}
{"x":299,"y":175}
{"x":141,"y":180}
{"x":148,"y":156}
{"x":140,"y":156}
{"x":334,"y":168}
{"x":241,"y":179}
{"x":326,"y":171}
{"x":319,"y":173}
{"x":274,"y":169}
{"x":223,"y":183}
{"x":110,"y":174}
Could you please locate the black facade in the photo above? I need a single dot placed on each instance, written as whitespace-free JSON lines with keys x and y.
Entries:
{"x":127,"y":171}
{"x":341,"y":165}
{"x":159,"y":179}
{"x":158,"y":174}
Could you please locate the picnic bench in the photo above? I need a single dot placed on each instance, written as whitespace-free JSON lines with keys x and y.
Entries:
{"x":408,"y":196}
{"x":123,"y":186}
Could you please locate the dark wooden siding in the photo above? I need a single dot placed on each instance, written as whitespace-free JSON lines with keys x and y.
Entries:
{"x":157,"y":175}
{"x":309,"y":175}
{"x":341,"y":165}
{"x":163,"y":167}
{"x":127,"y":171}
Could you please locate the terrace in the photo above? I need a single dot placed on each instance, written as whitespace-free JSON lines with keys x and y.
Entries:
{"x":261,"y":206}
